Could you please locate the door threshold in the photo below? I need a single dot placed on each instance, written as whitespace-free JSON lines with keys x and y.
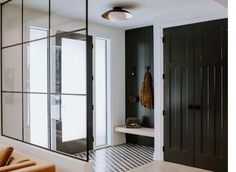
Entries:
{"x":101,"y":147}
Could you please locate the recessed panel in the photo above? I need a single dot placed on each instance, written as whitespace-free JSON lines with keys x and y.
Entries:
{"x":211,"y":44}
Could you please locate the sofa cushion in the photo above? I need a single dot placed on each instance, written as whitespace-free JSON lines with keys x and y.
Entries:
{"x":5,"y":154}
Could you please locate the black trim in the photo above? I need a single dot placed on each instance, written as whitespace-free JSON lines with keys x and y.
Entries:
{"x":27,"y":92}
{"x":87,"y":50}
{"x":48,"y":37}
{"x":6,"y":2}
{"x":1,"y":77}
{"x":49,"y":78}
{"x":163,"y":76}
{"x":50,"y":150}
{"x":22,"y":68}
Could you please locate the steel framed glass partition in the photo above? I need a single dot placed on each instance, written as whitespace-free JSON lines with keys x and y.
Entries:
{"x":46,"y":75}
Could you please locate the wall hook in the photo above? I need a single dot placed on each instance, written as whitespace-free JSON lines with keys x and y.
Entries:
{"x":148,"y":68}
{"x":133,"y":71}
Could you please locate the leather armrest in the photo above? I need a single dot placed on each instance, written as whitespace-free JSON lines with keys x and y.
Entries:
{"x":38,"y":168}
{"x":17,"y":166}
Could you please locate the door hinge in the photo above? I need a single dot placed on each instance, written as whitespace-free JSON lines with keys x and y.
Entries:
{"x":92,"y":107}
{"x":92,"y":77}
{"x":164,"y":113}
{"x":163,"y":148}
{"x":93,"y":139}
{"x":163,"y":39}
{"x":163,"y":76}
{"x":92,"y":46}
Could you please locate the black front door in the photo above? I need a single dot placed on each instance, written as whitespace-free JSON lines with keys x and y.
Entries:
{"x":178,"y":83}
{"x":195,"y":88}
{"x":210,"y":92}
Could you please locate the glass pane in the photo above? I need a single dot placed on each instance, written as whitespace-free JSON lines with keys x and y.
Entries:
{"x":68,"y":64}
{"x":12,"y":69}
{"x":36,"y":15}
{"x":12,"y":115}
{"x":73,"y":65}
{"x":69,"y":123}
{"x":36,"y":119}
{"x":100,"y":90}
{"x":67,"y":17}
{"x":11,"y":23}
{"x":35,"y":61}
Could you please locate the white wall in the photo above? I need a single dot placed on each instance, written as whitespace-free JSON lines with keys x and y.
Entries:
{"x":192,"y":14}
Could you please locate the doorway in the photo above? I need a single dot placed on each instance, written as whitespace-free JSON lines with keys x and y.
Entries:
{"x":100,"y":92}
{"x":74,"y":106}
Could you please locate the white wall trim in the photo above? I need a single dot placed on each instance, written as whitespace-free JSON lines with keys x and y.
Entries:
{"x":158,"y":70}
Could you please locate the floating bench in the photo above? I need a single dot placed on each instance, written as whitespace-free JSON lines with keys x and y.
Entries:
{"x":143,"y":131}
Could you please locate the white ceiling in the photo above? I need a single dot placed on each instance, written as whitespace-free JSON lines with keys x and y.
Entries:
{"x":143,"y":10}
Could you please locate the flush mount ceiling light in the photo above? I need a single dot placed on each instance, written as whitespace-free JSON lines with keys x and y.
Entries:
{"x":117,"y":14}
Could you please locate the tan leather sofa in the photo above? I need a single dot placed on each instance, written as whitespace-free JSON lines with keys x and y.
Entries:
{"x":25,"y":163}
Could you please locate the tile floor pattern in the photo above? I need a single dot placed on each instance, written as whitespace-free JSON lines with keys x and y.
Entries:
{"x":119,"y":158}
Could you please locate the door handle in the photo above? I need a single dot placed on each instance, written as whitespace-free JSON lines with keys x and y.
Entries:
{"x":197,"y":107}
{"x":190,"y":106}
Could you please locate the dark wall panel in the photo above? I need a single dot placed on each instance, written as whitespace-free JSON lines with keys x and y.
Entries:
{"x":139,"y":54}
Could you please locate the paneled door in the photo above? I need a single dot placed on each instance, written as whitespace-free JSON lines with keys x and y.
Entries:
{"x":210,"y":95}
{"x":178,"y":99}
{"x":195,"y":95}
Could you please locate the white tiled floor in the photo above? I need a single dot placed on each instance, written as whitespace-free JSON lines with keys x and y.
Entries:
{"x":162,"y":166}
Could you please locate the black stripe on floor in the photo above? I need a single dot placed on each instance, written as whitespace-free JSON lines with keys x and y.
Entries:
{"x":119,"y":158}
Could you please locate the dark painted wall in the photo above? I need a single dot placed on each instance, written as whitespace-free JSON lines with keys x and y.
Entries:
{"x":139,"y":54}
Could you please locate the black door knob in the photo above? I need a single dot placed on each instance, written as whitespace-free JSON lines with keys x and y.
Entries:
{"x":197,"y":107}
{"x":190,"y":106}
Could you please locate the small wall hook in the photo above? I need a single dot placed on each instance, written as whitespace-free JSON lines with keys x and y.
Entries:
{"x":133,"y":71}
{"x":148,"y":68}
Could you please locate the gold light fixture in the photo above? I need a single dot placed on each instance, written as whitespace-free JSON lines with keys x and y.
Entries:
{"x":117,"y":14}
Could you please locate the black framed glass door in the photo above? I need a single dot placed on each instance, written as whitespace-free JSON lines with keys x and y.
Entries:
{"x":72,"y":78}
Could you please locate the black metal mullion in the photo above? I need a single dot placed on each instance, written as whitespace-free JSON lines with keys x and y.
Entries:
{"x":22,"y":69}
{"x":87,"y":48}
{"x":1,"y":80}
{"x":54,"y":151}
{"x":49,"y":78}
{"x":39,"y":39}
{"x":6,"y":2}
{"x":45,"y":93}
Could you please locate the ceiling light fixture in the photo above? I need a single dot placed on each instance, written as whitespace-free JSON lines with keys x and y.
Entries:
{"x":117,"y":14}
